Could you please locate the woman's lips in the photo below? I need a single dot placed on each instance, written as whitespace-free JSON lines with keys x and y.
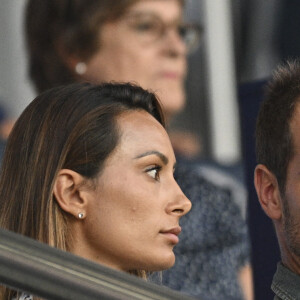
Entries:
{"x":171,"y":75}
{"x":172,"y":234}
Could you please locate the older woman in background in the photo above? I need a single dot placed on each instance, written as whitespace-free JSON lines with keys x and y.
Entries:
{"x":146,"y":41}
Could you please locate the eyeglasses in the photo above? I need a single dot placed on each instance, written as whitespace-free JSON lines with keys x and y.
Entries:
{"x":150,"y":28}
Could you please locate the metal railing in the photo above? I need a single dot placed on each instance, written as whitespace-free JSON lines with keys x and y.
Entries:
{"x":50,"y":273}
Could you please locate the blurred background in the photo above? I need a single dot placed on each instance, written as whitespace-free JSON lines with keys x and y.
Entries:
{"x":238,"y":45}
{"x":242,"y":42}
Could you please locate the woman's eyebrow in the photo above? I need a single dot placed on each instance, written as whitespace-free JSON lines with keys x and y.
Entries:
{"x":142,"y":12}
{"x":137,"y":14}
{"x":163,"y":158}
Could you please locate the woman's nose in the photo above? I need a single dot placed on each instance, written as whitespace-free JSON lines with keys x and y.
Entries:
{"x":179,"y":204}
{"x":174,"y":44}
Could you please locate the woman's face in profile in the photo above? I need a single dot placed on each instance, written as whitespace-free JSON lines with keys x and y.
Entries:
{"x":144,"y":47}
{"x":132,"y":218}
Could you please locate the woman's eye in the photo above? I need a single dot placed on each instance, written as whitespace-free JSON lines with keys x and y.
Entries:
{"x":182,"y":30}
{"x":146,"y":27}
{"x":154,"y":172}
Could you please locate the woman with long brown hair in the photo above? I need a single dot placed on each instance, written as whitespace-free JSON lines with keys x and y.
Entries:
{"x":89,"y":169}
{"x":147,"y":42}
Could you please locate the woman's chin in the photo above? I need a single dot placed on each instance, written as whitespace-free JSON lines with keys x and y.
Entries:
{"x":162,"y":263}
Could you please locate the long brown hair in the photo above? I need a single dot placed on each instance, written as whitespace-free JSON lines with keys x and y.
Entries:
{"x":71,"y":127}
{"x":55,"y":29}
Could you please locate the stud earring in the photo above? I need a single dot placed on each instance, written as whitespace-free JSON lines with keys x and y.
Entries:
{"x":80,"y":215}
{"x":80,"y":68}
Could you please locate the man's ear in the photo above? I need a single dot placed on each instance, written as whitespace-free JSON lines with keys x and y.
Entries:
{"x":267,"y":190}
{"x":68,"y":195}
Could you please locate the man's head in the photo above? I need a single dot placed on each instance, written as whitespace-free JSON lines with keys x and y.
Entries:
{"x":277,"y":175}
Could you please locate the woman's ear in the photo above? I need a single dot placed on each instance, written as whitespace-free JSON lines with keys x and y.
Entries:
{"x":70,"y":60}
{"x":68,"y":195}
{"x":267,"y":190}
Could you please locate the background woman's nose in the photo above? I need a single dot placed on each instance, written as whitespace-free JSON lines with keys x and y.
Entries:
{"x":174,"y":44}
